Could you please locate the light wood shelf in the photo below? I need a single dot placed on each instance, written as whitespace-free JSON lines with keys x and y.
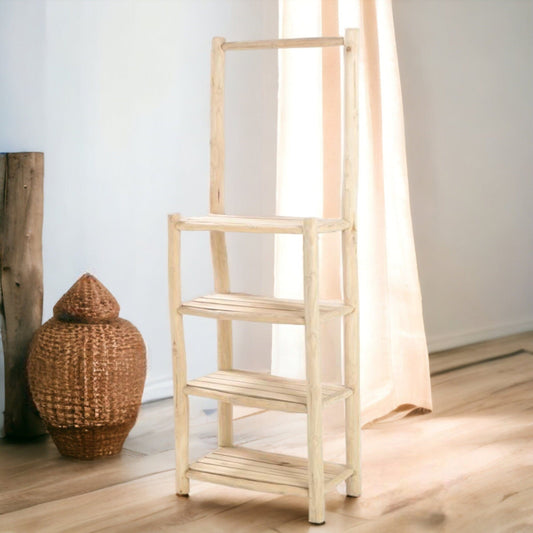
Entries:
{"x":250,"y":308}
{"x":247,"y":224}
{"x":257,"y":470}
{"x":263,"y":391}
{"x":252,"y":469}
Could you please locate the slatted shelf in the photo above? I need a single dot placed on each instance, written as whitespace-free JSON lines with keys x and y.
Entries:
{"x":257,"y":470}
{"x":248,"y":307}
{"x":264,"y":391}
{"x":258,"y":224}
{"x":252,"y":469}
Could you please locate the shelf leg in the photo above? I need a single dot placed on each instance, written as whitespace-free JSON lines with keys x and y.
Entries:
{"x":352,"y":403}
{"x":351,"y":365}
{"x":179,"y":363}
{"x":349,"y":262}
{"x":218,"y":239}
{"x":317,"y":502}
{"x":225,"y":410}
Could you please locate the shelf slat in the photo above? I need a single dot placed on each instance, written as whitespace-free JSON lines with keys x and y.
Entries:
{"x":264,"y":391}
{"x":264,"y":471}
{"x":239,"y":306}
{"x":258,"y":224}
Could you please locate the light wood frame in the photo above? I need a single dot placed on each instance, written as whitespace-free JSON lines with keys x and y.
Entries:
{"x":179,"y":358}
{"x":349,"y":261}
{"x":219,"y":252}
{"x":251,"y":468}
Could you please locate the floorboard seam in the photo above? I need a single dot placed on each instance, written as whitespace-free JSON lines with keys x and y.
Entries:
{"x":87,"y":492}
{"x":481,"y":361}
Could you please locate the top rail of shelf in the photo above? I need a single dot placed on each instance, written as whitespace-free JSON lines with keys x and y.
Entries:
{"x":308,"y":42}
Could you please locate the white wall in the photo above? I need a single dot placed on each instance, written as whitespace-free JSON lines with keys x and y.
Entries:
{"x":467,"y":79}
{"x":22,"y":74}
{"x":117,"y":96}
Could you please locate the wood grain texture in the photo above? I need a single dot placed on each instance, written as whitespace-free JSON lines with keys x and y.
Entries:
{"x":252,"y":308}
{"x":217,"y":139}
{"x":307,"y":42}
{"x":248,"y":224}
{"x":258,"y":470}
{"x":179,"y":359}
{"x":349,"y":262}
{"x":219,"y":254}
{"x":21,"y":282}
{"x":480,"y":351}
{"x":465,"y":467}
{"x":317,"y":503}
{"x":261,"y":390}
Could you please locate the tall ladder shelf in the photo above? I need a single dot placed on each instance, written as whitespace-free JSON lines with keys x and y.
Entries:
{"x":244,"y":467}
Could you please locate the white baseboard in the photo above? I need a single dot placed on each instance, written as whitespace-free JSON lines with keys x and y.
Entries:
{"x":436,"y":343}
{"x":157,"y":389}
{"x":162,"y":388}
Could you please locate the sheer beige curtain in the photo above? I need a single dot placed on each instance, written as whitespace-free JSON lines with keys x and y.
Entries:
{"x":394,"y":358}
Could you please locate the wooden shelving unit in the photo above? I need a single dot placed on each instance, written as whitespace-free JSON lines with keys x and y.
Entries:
{"x":242,"y":467}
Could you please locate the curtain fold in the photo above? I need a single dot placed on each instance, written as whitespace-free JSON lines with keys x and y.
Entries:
{"x":394,"y":358}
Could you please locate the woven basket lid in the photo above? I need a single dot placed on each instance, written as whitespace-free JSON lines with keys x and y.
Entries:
{"x":87,"y":301}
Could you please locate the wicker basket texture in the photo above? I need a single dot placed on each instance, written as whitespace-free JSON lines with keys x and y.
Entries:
{"x":86,"y":371}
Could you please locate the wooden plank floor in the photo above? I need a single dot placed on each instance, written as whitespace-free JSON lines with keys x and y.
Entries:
{"x":467,"y":467}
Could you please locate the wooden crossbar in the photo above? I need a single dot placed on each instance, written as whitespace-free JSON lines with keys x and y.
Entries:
{"x":308,"y":42}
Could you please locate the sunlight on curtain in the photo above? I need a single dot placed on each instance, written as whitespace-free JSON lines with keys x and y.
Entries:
{"x":394,"y":359}
{"x":299,"y":168}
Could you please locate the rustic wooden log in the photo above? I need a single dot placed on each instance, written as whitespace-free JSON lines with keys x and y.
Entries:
{"x":21,"y":282}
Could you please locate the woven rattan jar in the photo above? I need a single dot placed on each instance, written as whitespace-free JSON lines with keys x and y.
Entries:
{"x":86,"y":371}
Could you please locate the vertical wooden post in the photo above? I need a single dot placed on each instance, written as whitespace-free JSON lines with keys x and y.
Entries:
{"x":179,"y":361}
{"x":218,"y":239}
{"x":349,"y":263}
{"x":21,"y":282}
{"x":313,"y":364}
